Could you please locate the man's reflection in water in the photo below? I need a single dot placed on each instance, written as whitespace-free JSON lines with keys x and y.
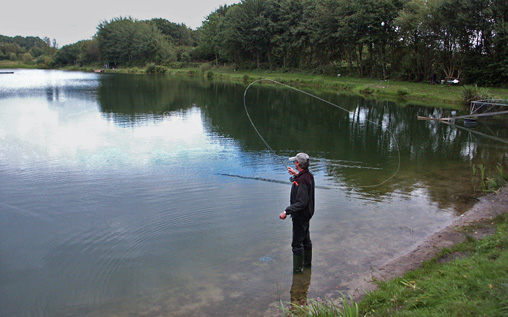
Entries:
{"x":300,"y":287}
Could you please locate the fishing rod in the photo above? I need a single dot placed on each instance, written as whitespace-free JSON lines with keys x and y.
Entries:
{"x":327,"y":102}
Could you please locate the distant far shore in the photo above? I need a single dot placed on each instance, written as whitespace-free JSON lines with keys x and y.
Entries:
{"x":446,"y":95}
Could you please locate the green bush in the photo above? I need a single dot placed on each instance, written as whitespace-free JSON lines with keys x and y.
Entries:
{"x":210,"y":74}
{"x":155,"y":69}
{"x":367,"y":91}
{"x":185,"y":57}
{"x":401,"y":92}
{"x":27,"y":58}
{"x":175,"y":65}
{"x":44,"y":61}
{"x":205,"y":67}
{"x":472,"y":93}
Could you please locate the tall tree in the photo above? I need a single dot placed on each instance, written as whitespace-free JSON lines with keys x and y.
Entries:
{"x":128,"y":41}
{"x":209,"y":34}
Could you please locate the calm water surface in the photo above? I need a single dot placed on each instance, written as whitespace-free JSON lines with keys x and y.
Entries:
{"x":145,"y":195}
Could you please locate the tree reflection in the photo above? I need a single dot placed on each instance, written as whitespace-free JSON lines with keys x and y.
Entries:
{"x":356,"y":148}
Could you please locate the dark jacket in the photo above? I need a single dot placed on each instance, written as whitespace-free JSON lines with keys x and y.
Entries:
{"x":302,"y":196}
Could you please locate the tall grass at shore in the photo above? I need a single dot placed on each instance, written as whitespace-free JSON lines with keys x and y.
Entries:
{"x":472,"y":93}
{"x":489,"y":181}
{"x":328,"y":308}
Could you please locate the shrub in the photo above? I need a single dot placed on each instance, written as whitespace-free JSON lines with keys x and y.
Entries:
{"x":27,"y":58}
{"x":44,"y":61}
{"x":185,"y":57}
{"x":210,"y":74}
{"x":205,"y":67}
{"x":401,"y":92}
{"x":367,"y":90}
{"x":155,"y":69}
{"x":472,"y":93}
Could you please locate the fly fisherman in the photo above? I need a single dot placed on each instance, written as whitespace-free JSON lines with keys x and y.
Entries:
{"x":301,"y":210}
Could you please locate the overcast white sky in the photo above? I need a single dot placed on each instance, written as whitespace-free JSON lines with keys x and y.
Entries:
{"x":72,"y":21}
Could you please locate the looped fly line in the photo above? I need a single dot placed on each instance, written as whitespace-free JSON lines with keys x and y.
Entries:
{"x":327,"y":102}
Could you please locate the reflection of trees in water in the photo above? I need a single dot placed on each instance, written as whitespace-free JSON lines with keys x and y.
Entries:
{"x":131,"y":99}
{"x":354,"y":147}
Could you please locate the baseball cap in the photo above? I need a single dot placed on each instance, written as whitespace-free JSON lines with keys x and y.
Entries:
{"x":300,"y":157}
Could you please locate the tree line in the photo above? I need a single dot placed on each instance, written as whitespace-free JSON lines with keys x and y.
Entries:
{"x":28,"y":49}
{"x":398,"y":39}
{"x":403,"y":39}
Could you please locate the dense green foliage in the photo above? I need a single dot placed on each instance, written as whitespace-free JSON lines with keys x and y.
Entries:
{"x":127,"y":41}
{"x":387,"y":39}
{"x":80,"y":53}
{"x":407,"y":39}
{"x":28,"y":49}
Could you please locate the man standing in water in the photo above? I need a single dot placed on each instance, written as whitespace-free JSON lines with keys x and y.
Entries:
{"x":301,"y":210}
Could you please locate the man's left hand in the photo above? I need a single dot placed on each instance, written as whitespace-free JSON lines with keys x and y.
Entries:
{"x":292,"y":171}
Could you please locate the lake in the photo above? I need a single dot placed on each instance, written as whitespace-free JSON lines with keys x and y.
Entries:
{"x":154,"y":195}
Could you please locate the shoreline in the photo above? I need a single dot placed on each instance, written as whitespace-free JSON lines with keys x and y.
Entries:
{"x":399,"y":91}
{"x":486,"y":209}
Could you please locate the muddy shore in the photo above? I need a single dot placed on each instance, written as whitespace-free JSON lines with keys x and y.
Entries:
{"x":488,"y":207}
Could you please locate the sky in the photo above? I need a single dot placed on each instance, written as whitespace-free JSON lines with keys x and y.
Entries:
{"x":72,"y":21}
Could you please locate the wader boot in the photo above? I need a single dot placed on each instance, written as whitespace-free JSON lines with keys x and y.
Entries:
{"x":307,"y":258}
{"x":297,"y":263}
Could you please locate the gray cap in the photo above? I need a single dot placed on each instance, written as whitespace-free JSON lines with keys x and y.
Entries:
{"x":300,"y":157}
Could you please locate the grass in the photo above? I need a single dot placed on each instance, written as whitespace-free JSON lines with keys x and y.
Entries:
{"x":488,"y":181}
{"x":475,"y":283}
{"x":469,"y":279}
{"x":421,"y":93}
{"x":16,"y":64}
{"x":416,"y":93}
{"x":345,"y":308}
{"x":473,"y":92}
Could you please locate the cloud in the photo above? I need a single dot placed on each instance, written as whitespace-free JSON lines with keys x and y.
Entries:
{"x":70,"y":23}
